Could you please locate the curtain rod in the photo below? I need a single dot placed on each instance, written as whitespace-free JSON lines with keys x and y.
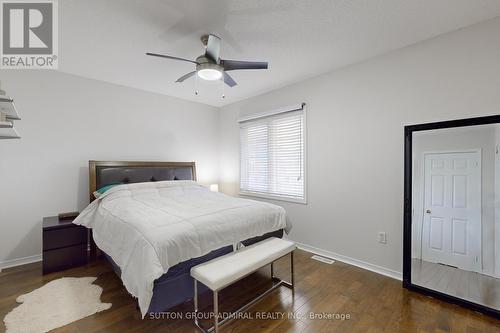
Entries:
{"x":289,"y":108}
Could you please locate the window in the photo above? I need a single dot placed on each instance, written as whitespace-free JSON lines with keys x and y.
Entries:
{"x":272,"y":156}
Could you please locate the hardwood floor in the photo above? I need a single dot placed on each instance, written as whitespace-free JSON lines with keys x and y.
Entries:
{"x":374,"y":303}
{"x":475,"y":287}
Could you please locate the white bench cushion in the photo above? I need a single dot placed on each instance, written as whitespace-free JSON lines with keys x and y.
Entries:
{"x":222,"y":271}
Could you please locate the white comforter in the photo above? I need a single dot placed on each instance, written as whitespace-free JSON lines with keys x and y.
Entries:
{"x":148,"y":227}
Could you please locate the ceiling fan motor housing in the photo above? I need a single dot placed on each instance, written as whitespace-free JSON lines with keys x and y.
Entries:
{"x":208,"y":69}
{"x":203,"y":59}
{"x":208,"y":65}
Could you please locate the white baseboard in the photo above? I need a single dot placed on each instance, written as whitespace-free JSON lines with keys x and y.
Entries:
{"x":20,"y":261}
{"x":351,"y":261}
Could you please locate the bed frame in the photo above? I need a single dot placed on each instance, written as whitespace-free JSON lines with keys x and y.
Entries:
{"x":176,"y":286}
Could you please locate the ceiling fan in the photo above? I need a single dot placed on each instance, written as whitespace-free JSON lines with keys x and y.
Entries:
{"x":210,"y":66}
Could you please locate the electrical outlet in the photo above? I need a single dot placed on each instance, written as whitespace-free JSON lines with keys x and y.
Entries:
{"x":382,"y":237}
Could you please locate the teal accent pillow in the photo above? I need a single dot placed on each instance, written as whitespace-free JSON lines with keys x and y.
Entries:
{"x":103,"y":189}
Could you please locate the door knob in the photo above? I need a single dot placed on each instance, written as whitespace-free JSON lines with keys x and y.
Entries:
{"x":428,"y":211}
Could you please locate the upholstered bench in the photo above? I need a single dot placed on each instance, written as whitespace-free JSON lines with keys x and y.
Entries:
{"x":221,"y":272}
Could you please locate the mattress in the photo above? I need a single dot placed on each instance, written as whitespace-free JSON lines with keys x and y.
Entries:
{"x":148,"y":228}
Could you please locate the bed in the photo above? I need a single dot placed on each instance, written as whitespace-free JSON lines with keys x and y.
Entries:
{"x":157,"y":223}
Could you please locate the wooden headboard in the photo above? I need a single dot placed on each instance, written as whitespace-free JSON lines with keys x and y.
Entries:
{"x":102,"y":173}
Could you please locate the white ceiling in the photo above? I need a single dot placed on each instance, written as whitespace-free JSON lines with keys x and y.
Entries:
{"x":107,"y":39}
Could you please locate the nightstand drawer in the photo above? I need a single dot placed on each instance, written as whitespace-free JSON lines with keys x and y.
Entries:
{"x":66,"y":257}
{"x":58,"y":238}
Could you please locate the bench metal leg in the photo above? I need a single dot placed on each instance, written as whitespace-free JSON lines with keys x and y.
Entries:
{"x":195,"y":300}
{"x":279,"y":281}
{"x":216,"y":311}
{"x":217,"y":323}
{"x":290,"y":284}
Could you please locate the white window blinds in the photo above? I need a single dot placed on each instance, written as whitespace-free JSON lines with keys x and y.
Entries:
{"x":272,"y":156}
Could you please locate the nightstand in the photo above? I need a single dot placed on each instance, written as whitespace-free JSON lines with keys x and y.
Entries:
{"x":65,"y":244}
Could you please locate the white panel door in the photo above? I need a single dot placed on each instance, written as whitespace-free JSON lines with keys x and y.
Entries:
{"x":452,"y":210}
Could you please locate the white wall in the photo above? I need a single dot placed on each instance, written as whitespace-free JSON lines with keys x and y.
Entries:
{"x":67,"y":121}
{"x":355,"y":136}
{"x":456,"y":139}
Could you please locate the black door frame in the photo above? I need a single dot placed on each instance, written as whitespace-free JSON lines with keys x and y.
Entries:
{"x":408,"y":151}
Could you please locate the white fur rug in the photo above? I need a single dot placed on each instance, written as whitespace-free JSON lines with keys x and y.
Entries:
{"x":56,"y":304}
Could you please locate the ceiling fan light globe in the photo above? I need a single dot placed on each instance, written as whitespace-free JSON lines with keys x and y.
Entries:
{"x":209,"y":74}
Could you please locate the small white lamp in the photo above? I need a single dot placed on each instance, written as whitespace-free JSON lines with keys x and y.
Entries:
{"x":214,"y":187}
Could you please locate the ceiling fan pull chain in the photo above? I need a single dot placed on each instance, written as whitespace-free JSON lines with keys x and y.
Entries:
{"x":196,"y":85}
{"x":223,"y":88}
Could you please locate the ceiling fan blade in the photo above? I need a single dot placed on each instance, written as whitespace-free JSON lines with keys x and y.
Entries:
{"x":185,"y":76}
{"x":229,"y":80}
{"x":170,"y":57}
{"x":231,"y":65}
{"x":213,"y":48}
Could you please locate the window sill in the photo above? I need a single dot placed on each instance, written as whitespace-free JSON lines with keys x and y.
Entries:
{"x":273,"y":197}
